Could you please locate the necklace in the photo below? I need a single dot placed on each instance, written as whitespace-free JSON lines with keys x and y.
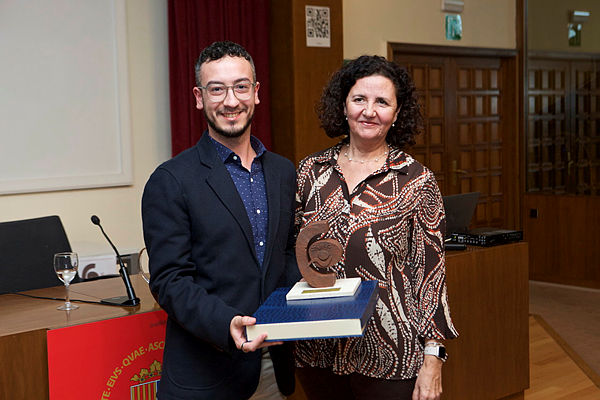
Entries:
{"x":376,"y":159}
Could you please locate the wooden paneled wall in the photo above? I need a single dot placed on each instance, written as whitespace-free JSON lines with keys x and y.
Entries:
{"x":561,"y":207}
{"x":564,"y":238}
{"x":563,"y":124}
{"x":298,"y":75}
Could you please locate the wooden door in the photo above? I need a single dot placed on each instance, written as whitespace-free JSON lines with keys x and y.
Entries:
{"x":470,"y":123}
{"x":548,"y":126}
{"x":586,"y":126}
{"x":561,"y":204}
{"x":563,"y":131}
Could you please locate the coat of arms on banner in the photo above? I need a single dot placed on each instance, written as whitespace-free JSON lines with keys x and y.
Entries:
{"x":147,"y":380}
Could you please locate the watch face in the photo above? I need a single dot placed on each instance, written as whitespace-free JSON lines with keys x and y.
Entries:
{"x":441,"y":352}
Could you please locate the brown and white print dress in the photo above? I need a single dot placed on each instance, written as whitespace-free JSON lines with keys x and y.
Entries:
{"x":391,"y":228}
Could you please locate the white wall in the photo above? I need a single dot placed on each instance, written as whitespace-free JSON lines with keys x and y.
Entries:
{"x":369,"y":25}
{"x":118,"y":208}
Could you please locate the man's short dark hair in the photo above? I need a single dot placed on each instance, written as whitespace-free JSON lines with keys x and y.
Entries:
{"x":218,"y":50}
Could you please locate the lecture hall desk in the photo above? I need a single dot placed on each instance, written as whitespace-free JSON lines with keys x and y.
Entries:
{"x":488,"y":294}
{"x":24,"y":322}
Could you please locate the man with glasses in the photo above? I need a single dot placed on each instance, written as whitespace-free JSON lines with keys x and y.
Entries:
{"x":218,"y":226}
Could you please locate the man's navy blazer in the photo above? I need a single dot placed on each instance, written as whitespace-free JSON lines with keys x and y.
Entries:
{"x":204,"y":270}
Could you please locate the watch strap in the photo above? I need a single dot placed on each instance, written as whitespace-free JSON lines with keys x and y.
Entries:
{"x":438,"y":351}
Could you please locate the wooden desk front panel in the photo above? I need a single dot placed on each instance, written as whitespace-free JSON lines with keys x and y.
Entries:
{"x":24,"y":323}
{"x":24,"y":371}
{"x":489,"y":299}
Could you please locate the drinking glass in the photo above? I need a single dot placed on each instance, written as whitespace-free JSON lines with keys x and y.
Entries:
{"x":65,"y":266}
{"x":143,"y":264}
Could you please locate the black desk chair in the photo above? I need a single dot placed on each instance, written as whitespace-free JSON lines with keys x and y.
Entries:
{"x":27,"y":249}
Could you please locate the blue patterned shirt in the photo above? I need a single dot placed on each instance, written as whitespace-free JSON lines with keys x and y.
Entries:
{"x":252,"y":189}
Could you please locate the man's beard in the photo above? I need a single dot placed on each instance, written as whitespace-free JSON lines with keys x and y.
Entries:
{"x":228,"y":133}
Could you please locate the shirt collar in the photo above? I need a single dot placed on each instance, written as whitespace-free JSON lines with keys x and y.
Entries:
{"x":225,"y":153}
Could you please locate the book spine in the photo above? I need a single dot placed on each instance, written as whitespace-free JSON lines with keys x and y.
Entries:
{"x":370,"y":308}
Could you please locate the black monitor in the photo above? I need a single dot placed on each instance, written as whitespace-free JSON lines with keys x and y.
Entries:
{"x":459,"y":211}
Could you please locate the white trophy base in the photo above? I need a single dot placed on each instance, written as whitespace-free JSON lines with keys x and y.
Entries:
{"x":341,"y":288}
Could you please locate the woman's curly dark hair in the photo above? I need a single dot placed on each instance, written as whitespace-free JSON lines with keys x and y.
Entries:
{"x":330,"y":108}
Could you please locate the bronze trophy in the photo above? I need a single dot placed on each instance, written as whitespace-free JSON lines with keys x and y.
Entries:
{"x":315,"y":257}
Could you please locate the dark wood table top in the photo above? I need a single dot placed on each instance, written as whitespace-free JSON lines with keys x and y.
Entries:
{"x":23,"y":314}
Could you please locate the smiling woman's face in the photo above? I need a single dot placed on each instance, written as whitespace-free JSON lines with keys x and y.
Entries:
{"x":371,"y":108}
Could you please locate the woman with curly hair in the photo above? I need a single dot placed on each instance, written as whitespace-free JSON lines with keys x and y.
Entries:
{"x":386,"y":210}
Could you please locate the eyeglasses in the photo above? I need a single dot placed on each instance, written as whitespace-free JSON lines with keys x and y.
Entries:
{"x":217,"y":91}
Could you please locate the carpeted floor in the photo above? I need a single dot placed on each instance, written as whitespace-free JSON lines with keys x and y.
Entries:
{"x":574,"y":314}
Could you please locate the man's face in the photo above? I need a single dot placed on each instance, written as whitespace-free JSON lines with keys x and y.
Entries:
{"x":230,"y":116}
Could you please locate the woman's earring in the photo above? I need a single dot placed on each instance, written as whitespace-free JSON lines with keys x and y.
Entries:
{"x":393,"y":124}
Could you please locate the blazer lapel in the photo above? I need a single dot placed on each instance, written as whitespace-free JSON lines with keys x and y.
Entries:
{"x":273,"y":184}
{"x":222,"y":185}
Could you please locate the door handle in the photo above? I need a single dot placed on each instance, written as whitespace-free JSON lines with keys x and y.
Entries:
{"x":456,"y":171}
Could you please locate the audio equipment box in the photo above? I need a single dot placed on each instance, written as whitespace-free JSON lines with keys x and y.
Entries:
{"x":487,"y":237}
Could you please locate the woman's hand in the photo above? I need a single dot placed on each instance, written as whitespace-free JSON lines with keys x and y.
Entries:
{"x":429,"y":381}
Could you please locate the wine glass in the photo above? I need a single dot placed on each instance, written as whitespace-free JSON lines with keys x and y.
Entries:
{"x":65,"y":266}
{"x":143,"y":264}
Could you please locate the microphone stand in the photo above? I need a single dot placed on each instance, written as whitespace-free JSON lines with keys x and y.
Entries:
{"x":124,"y":301}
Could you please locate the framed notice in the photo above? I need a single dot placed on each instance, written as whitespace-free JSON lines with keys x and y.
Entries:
{"x":318,"y":26}
{"x":119,"y":358}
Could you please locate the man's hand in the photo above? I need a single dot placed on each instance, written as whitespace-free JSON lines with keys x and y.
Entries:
{"x":429,"y":381}
{"x":238,"y":333}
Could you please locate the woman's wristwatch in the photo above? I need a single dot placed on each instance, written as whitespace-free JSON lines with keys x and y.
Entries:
{"x":436,"y":349}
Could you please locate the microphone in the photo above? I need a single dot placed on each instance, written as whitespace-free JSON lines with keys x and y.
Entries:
{"x":125,"y":301}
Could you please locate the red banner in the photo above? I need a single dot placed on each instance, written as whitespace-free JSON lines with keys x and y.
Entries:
{"x":119,"y":358}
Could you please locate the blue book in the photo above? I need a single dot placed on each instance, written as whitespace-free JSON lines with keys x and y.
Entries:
{"x":314,"y":318}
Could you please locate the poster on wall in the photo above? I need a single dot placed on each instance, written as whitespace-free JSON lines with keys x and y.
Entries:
{"x":318,"y":26}
{"x":119,"y":358}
